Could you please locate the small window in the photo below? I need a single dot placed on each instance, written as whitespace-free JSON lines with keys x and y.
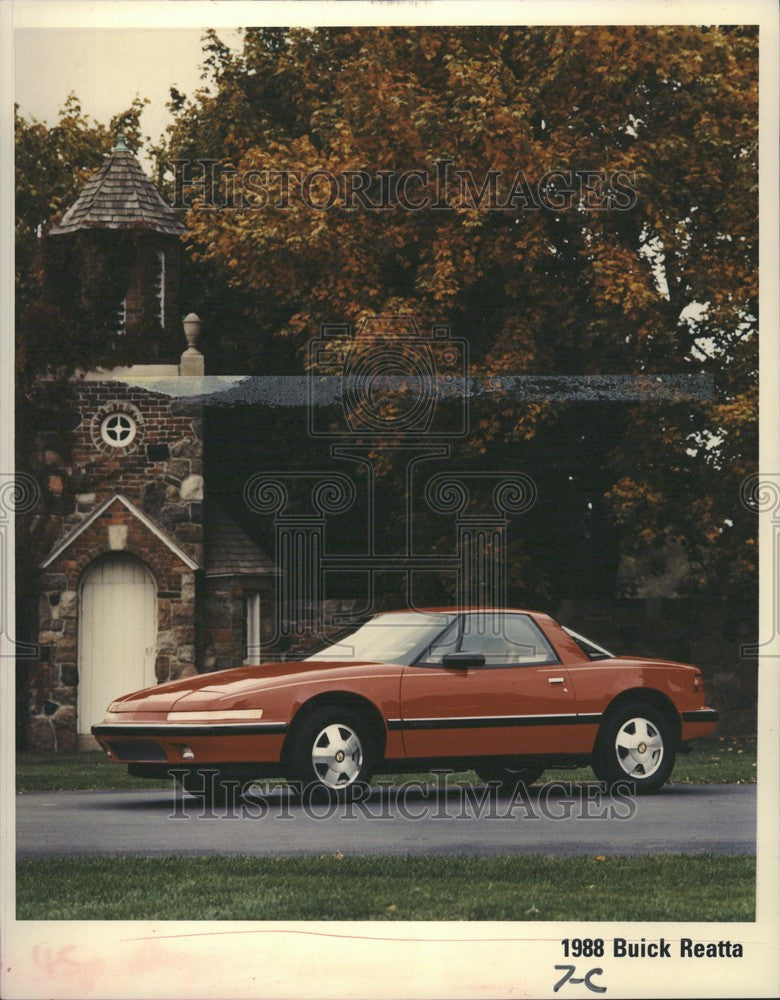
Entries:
{"x":251,"y":627}
{"x":591,"y":649}
{"x":160,"y":288}
{"x":121,"y":318}
{"x":118,"y":430}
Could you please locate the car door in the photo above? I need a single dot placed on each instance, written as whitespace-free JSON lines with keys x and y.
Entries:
{"x":520,"y":702}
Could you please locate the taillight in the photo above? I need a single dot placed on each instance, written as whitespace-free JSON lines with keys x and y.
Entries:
{"x":698,"y":682}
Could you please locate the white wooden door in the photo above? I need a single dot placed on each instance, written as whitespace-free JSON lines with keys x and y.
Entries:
{"x":117,"y":634}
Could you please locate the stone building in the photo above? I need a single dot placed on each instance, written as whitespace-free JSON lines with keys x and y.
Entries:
{"x":128,"y":593}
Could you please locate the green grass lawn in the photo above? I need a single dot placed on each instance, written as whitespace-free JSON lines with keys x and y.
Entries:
{"x":715,"y":761}
{"x":672,"y":887}
{"x":87,"y":770}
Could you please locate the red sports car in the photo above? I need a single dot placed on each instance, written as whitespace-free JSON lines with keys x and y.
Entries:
{"x":508,"y":693}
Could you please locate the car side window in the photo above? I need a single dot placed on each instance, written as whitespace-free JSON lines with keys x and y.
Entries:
{"x":506,"y":640}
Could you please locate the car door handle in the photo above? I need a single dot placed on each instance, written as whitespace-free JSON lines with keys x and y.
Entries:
{"x":556,"y":680}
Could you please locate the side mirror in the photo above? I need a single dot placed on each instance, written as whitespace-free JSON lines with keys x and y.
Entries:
{"x":463,"y":661}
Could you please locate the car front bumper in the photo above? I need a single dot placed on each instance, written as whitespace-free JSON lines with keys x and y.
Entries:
{"x":207,"y":743}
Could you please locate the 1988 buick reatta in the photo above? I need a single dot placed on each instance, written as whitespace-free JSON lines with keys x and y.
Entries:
{"x":508,"y":693}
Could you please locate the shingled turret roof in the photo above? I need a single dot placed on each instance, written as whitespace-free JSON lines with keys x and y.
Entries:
{"x":120,"y":196}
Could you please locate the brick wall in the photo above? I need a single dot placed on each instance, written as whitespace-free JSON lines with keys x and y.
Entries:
{"x":161,"y":471}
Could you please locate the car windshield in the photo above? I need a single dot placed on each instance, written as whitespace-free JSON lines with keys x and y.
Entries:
{"x":390,"y":638}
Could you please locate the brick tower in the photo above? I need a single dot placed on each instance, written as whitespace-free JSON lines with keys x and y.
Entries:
{"x":120,"y":464}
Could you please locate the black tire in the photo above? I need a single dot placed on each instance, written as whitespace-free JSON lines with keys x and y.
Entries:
{"x":210,"y":786}
{"x":333,"y":750}
{"x":637,"y":744}
{"x":509,"y":777}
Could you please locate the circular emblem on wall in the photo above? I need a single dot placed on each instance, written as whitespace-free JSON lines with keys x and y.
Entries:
{"x":117,"y":428}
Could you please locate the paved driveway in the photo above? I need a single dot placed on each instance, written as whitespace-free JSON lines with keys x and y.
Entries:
{"x":682,"y":818}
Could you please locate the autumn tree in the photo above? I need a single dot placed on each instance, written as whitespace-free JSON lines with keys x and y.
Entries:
{"x":663,"y":284}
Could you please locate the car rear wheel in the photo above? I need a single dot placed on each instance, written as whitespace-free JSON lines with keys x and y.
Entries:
{"x":509,"y":777}
{"x":334,"y":749}
{"x":636,"y":745}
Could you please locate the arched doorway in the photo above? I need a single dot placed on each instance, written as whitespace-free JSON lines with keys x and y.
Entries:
{"x":117,"y":634}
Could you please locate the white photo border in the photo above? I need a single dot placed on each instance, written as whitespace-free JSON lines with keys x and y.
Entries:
{"x":191,"y":959}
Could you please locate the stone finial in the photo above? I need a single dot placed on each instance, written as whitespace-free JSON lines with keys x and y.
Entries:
{"x":119,"y":145}
{"x":192,"y":326}
{"x":192,"y":360}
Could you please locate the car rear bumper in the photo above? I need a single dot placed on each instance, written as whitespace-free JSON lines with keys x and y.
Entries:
{"x":698,"y":722}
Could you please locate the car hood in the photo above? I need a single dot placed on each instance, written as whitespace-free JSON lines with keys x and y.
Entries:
{"x":233,"y":685}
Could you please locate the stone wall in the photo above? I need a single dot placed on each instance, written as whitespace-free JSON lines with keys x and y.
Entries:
{"x":53,"y":682}
{"x":223,"y":631}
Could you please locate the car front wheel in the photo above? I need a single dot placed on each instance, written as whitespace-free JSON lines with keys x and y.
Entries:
{"x":636,"y":745}
{"x":333,"y":749}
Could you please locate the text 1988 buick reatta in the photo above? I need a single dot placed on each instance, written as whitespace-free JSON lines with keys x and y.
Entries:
{"x":508,"y":693}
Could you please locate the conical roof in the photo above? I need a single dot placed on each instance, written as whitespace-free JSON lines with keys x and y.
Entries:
{"x":120,"y":196}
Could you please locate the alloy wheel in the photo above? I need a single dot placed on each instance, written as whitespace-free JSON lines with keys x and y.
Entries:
{"x":639,"y":747}
{"x":337,"y":755}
